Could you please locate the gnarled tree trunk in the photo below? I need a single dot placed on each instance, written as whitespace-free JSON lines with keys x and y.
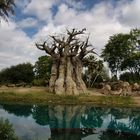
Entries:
{"x":67,"y":53}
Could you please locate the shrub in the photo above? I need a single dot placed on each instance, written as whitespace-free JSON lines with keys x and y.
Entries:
{"x":130,"y":77}
{"x":39,"y":82}
{"x":6,"y":131}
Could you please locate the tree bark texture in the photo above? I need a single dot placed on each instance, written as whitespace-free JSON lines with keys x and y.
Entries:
{"x":67,"y":53}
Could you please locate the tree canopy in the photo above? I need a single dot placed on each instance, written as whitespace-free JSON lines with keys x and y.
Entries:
{"x":122,"y":52}
{"x":18,"y":73}
{"x":42,"y":67}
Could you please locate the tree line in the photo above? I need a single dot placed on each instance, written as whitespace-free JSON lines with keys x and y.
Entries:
{"x":39,"y":73}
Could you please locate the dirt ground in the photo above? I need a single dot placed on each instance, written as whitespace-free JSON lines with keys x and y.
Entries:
{"x":23,"y":89}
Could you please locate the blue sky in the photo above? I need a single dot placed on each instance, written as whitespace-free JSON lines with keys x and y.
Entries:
{"x":34,"y":20}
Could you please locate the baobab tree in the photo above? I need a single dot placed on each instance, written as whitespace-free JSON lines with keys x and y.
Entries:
{"x":67,"y":52}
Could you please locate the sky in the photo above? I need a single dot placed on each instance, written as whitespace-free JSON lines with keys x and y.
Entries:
{"x":35,"y":20}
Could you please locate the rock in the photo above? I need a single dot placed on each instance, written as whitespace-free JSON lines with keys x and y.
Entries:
{"x":136,"y":87}
{"x":10,"y":85}
{"x":121,"y":88}
{"x":106,"y":89}
{"x":126,"y":88}
{"x":21,"y":84}
{"x":116,"y":86}
{"x":117,"y":92}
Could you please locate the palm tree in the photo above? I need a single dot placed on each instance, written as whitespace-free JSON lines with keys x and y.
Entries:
{"x":6,"y":8}
{"x":99,"y":68}
{"x":90,"y":63}
{"x":94,"y":69}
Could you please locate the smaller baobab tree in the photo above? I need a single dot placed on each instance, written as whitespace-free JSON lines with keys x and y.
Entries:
{"x":67,"y":52}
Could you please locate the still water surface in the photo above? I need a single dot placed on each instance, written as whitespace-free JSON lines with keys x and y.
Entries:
{"x":34,"y":122}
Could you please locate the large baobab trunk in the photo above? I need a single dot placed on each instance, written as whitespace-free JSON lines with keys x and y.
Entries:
{"x":67,"y":54}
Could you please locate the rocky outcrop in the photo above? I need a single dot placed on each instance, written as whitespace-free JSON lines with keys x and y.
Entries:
{"x":136,"y":87}
{"x":117,"y":88}
{"x":106,"y":89}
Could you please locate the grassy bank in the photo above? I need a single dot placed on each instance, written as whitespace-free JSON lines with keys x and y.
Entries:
{"x":41,"y":96}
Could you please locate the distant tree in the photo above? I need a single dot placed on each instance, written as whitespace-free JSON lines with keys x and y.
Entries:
{"x":116,"y":50}
{"x":16,"y":74}
{"x":6,"y":8}
{"x":130,"y":77}
{"x":132,"y":63}
{"x":122,"y":52}
{"x":42,"y":68}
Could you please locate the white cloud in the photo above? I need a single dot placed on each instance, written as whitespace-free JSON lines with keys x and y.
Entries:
{"x":40,"y":8}
{"x":28,"y":22}
{"x":15,"y":46}
{"x":75,"y":4}
{"x":22,"y":3}
{"x":129,"y":13}
{"x":101,"y":21}
{"x":50,"y":29}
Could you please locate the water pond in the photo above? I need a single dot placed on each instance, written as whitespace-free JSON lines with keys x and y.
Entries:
{"x":34,"y":122}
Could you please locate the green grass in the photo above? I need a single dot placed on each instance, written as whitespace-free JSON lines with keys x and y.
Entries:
{"x":47,"y":98}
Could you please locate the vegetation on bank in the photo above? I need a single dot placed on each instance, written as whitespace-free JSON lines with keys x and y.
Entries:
{"x":41,"y":96}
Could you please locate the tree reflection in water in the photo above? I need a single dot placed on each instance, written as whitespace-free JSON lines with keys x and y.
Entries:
{"x":65,"y":122}
{"x":18,"y":110}
{"x":77,"y":122}
{"x":40,"y":115}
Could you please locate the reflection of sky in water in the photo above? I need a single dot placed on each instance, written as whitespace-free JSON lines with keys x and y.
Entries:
{"x":26,"y":127}
{"x":92,"y":137}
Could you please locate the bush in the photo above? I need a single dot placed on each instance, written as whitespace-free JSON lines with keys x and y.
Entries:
{"x":39,"y":82}
{"x":17,"y":74}
{"x":6,"y":131}
{"x":130,"y":77}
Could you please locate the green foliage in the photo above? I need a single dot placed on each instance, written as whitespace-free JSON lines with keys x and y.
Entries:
{"x":116,"y":50}
{"x":42,"y":70}
{"x":17,"y":74}
{"x":130,"y":77}
{"x":132,"y":63}
{"x":6,"y":131}
{"x":6,"y":8}
{"x":122,"y":52}
{"x":40,"y":82}
{"x":95,"y":71}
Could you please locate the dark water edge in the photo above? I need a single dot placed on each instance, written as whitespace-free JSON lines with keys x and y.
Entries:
{"x":68,"y":122}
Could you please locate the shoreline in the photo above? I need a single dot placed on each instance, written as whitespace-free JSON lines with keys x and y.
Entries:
{"x":39,"y":95}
